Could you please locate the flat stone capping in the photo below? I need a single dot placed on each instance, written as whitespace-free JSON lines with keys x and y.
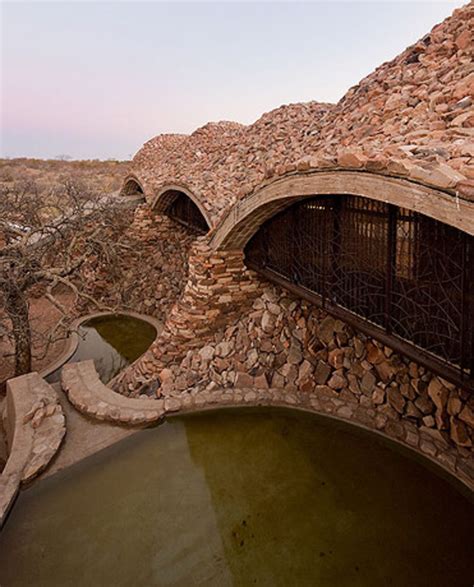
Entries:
{"x":73,"y":339}
{"x":35,"y":427}
{"x":90,"y":396}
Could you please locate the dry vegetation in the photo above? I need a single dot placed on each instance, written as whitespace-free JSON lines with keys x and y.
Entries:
{"x":103,"y":176}
{"x":26,"y":186}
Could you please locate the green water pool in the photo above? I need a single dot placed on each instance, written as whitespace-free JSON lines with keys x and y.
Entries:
{"x":113,"y":341}
{"x":243,"y":497}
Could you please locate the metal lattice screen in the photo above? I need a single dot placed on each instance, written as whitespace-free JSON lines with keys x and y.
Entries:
{"x":184,"y":210}
{"x":406,"y":275}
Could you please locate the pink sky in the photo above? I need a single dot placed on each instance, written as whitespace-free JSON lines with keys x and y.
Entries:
{"x":95,"y":80}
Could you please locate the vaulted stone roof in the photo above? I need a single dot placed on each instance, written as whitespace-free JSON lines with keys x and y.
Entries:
{"x":412,"y":117}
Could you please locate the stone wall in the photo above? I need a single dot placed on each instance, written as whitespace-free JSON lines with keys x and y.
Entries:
{"x":286,"y":343}
{"x":218,"y":290}
{"x":152,"y":270}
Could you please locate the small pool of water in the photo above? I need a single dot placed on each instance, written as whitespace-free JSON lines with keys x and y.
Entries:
{"x":113,"y":342}
{"x":249,"y":497}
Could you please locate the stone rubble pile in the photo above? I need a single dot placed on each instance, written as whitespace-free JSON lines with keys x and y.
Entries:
{"x":413,"y":117}
{"x":286,"y":343}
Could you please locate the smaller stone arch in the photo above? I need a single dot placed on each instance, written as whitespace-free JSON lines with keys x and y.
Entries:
{"x":132,"y":188}
{"x":179,"y":203}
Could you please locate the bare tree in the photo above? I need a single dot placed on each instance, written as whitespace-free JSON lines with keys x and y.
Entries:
{"x":50,"y":241}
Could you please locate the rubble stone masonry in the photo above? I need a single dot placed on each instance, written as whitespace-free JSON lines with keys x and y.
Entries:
{"x":231,"y":330}
{"x":218,"y":290}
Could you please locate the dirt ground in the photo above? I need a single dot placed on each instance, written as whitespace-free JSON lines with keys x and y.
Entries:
{"x":44,"y":316}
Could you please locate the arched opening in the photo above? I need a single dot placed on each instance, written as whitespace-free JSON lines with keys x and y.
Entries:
{"x":132,"y":188}
{"x":180,"y":207}
{"x":244,"y":217}
{"x":395,"y":274}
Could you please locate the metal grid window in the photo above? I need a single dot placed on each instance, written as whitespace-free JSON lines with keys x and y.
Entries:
{"x":398,"y":275}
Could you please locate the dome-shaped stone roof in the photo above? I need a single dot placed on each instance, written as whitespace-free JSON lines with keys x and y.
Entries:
{"x":412,"y":117}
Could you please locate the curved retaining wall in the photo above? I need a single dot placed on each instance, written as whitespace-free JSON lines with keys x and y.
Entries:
{"x":90,"y":396}
{"x":35,"y":427}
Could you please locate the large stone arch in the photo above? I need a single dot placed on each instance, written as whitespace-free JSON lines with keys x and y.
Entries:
{"x":169,"y":193}
{"x":248,"y":214}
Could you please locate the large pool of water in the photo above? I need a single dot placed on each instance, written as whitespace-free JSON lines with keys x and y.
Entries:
{"x":113,"y":341}
{"x":255,"y":497}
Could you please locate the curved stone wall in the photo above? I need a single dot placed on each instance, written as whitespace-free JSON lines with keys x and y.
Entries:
{"x":35,"y":427}
{"x":90,"y":396}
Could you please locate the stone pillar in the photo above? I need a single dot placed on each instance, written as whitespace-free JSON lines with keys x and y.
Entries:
{"x":218,"y":290}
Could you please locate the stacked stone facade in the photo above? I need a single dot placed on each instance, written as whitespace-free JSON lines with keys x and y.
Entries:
{"x":153,"y":268}
{"x":286,"y":343}
{"x":231,"y":330}
{"x":219,"y":288}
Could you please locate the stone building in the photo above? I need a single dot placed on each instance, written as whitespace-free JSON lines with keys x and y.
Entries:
{"x":324,"y":260}
{"x":334,"y":251}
